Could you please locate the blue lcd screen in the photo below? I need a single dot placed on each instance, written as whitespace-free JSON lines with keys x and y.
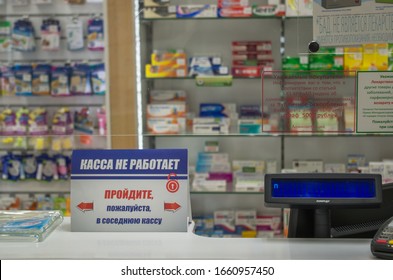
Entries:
{"x":324,"y":188}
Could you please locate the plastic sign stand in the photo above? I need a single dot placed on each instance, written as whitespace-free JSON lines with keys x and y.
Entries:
{"x":130,"y":190}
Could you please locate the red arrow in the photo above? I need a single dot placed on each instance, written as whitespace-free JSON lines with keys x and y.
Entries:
{"x":174,"y":206}
{"x":86,"y":206}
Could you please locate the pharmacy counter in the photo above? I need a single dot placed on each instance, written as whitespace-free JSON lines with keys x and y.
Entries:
{"x":64,"y":244}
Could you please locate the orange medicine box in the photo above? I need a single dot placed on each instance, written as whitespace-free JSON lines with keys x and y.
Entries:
{"x":166,"y":110}
{"x":166,"y":125}
{"x":168,"y":58}
{"x":153,"y":71}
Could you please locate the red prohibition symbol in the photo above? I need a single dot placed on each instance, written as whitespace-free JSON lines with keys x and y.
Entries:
{"x":172,"y":185}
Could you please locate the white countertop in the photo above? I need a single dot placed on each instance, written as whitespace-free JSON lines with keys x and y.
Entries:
{"x":64,"y":244}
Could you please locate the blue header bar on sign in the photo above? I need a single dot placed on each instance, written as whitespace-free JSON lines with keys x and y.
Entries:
{"x":125,"y":162}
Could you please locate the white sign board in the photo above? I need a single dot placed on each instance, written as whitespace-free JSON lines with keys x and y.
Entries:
{"x":374,"y":102}
{"x":130,"y":190}
{"x":352,"y":22}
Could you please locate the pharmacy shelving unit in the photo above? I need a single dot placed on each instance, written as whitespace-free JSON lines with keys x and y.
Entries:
{"x":211,"y":36}
{"x":36,"y":13}
{"x":289,"y":37}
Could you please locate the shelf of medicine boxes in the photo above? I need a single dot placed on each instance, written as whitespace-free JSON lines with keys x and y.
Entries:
{"x":35,"y":187}
{"x":80,"y":141}
{"x":43,"y":187}
{"x":194,"y":78}
{"x":196,"y":135}
{"x":267,"y":134}
{"x":148,"y":20}
{"x":53,"y":101}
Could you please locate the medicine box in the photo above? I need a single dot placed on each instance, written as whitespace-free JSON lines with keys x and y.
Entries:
{"x":196,"y":11}
{"x":212,"y":147}
{"x":388,"y":172}
{"x":203,"y":185}
{"x":232,"y":3}
{"x":233,"y":12}
{"x":165,"y":71}
{"x":205,"y":65}
{"x":249,"y":182}
{"x":353,"y":59}
{"x":217,"y":109}
{"x":376,"y":167}
{"x":295,"y":63}
{"x":247,"y":71}
{"x":326,"y":62}
{"x":213,"y":167}
{"x":167,"y":96}
{"x":205,"y":60}
{"x":212,"y":120}
{"x":334,"y":168}
{"x":213,"y":157}
{"x":375,"y":57}
{"x":328,"y":58}
{"x":271,"y":166}
{"x":225,"y":220}
{"x":265,"y":234}
{"x":381,"y":56}
{"x":214,"y":163}
{"x":248,"y":166}
{"x":163,"y":128}
{"x":250,"y":111}
{"x":295,"y":8}
{"x":221,"y":175}
{"x":268,"y":10}
{"x":254,"y":62}
{"x":166,"y":110}
{"x":166,"y":125}
{"x":153,"y":3}
{"x":308,"y":166}
{"x":165,"y":58}
{"x":159,"y":12}
{"x":247,"y":126}
{"x":251,"y":46}
{"x":269,"y":223}
{"x":210,"y":129}
{"x":355,"y":161}
{"x":203,"y":222}
{"x":248,"y":55}
{"x":245,"y":220}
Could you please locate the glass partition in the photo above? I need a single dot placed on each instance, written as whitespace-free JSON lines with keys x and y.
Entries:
{"x":248,"y":87}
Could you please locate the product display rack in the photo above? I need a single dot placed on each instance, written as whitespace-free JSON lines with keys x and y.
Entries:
{"x":146,"y":46}
{"x":34,"y":187}
{"x":64,"y":13}
{"x":205,"y":203}
{"x":290,"y":36}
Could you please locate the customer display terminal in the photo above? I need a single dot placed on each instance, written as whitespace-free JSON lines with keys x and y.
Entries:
{"x":318,"y":194}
